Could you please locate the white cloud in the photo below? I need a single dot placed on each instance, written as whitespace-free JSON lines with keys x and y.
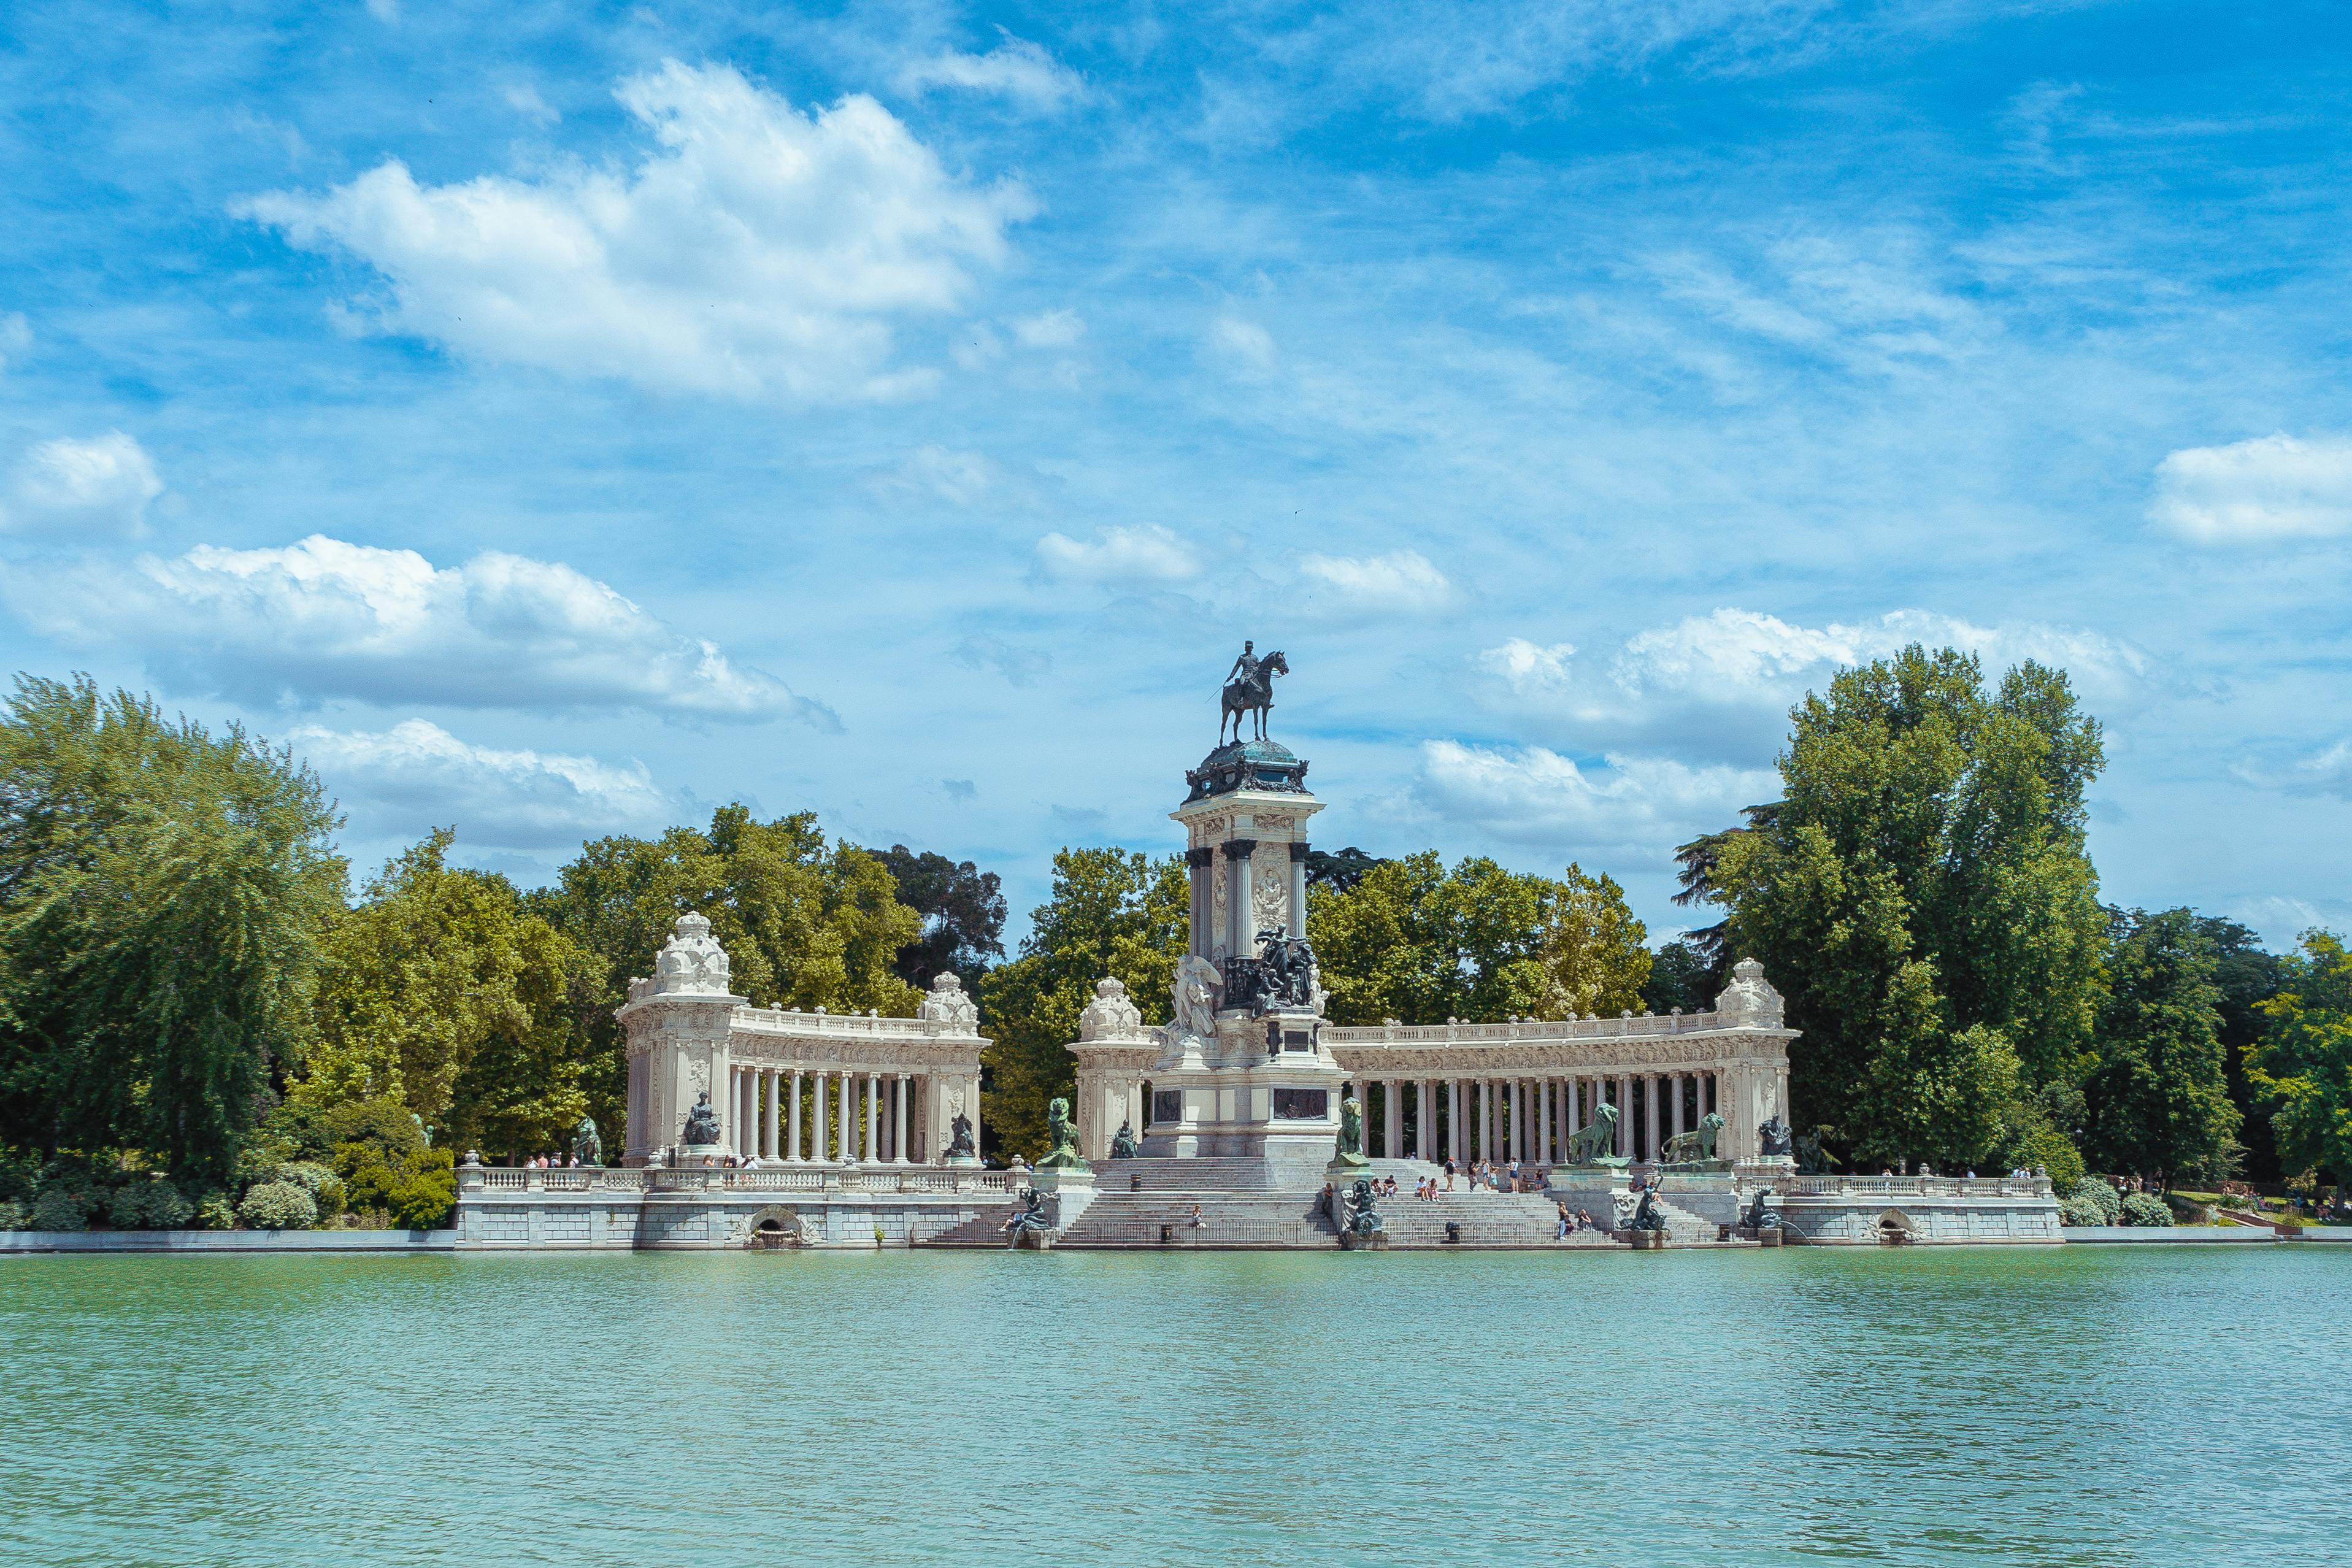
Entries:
{"x":1050,"y":330}
{"x":16,"y":338}
{"x":417,"y":774}
{"x":1244,"y":344}
{"x":2326,"y":771}
{"x":1532,"y":795}
{"x":1732,"y":657}
{"x":1147,"y":554}
{"x":755,"y":249}
{"x":525,"y":100}
{"x":97,"y":486}
{"x":2272,"y":487}
{"x":1016,"y":69}
{"x":1403,"y":583}
{"x":323,"y":618}
{"x":1019,"y":666}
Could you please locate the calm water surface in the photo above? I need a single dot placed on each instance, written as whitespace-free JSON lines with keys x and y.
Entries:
{"x":2089,"y":1405}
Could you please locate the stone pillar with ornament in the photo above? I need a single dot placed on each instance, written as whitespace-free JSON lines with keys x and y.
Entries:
{"x":677,"y":1023}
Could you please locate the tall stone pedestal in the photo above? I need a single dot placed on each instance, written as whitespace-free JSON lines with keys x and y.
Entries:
{"x":1068,"y":1193}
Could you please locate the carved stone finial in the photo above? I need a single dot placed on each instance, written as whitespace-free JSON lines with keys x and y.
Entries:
{"x":947,"y":1002}
{"x":1749,"y":999}
{"x":1112,"y":1014}
{"x":691,"y":962}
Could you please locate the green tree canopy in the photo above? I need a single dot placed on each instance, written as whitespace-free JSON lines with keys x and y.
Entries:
{"x":1112,"y":913}
{"x":805,"y":924}
{"x":1413,"y":940}
{"x":2303,"y":1065}
{"x":2158,"y":1101}
{"x":442,"y":990}
{"x":1922,"y":895}
{"x":162,"y":896}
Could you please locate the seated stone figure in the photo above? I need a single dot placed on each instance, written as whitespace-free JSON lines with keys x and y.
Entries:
{"x":1122,"y":1143}
{"x":701,"y":1124}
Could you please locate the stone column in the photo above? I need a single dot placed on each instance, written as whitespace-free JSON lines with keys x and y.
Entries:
{"x":816,"y":1117}
{"x":971,"y":1098}
{"x":792,"y":1121}
{"x":768,"y":1145}
{"x":1484,"y":1141}
{"x":1453,"y":1119}
{"x":1514,"y":1140}
{"x":1676,"y":1080}
{"x":1298,"y":891}
{"x":873,"y":1117}
{"x":1424,"y":1111}
{"x":847,"y":1135}
{"x":1393,"y":1092}
{"x":747,"y":1101}
{"x":1625,"y":1114}
{"x":1196,"y":870}
{"x":898,"y":1100}
{"x":1543,"y":1123}
{"x":1237,"y":895}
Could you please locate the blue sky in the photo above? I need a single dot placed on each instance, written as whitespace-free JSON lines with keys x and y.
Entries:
{"x":559,"y":421}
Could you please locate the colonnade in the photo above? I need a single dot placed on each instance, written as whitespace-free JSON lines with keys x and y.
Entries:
{"x":1530,"y":1119}
{"x":854,"y":1118}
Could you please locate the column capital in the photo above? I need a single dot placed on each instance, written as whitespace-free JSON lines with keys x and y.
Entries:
{"x":1240,"y":849}
{"x":1200,"y":854}
{"x":1298,"y":849}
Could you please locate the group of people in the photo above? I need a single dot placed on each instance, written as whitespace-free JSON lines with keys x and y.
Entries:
{"x":1568,"y":1223}
{"x":1485,"y":1175}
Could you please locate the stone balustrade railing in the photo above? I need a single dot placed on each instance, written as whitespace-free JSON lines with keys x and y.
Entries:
{"x":808,"y":1179}
{"x":1910,"y":1186}
{"x":850,"y":1026}
{"x":1537,"y":1031}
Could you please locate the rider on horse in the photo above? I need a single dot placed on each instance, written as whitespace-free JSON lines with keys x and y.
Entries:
{"x":1249,"y":688}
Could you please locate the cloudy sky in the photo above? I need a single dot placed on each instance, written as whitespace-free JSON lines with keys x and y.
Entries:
{"x":558,"y":421}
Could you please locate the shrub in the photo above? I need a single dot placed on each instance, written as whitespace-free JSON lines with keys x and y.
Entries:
{"x":152,"y":1203}
{"x":15,"y":1216}
{"x":326,"y":1188}
{"x":278,"y":1205}
{"x":2140,"y":1208}
{"x":415,"y":1190}
{"x":2080,"y":1212}
{"x":61,"y":1208}
{"x":214,"y":1211}
{"x":2098,"y":1194}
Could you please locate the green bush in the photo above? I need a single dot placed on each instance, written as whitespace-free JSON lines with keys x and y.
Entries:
{"x":149,"y":1202}
{"x":2142,"y":1208}
{"x":215,"y":1212}
{"x":418,"y":1190}
{"x":61,"y":1208}
{"x":278,"y":1205}
{"x":2098,"y":1194}
{"x":326,"y":1188}
{"x":2080,"y":1212}
{"x":15,"y":1216}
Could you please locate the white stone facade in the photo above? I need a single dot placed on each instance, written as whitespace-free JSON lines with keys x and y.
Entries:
{"x":793,"y":1088}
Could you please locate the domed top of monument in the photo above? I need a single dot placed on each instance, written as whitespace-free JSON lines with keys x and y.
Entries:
{"x":1247,"y":764}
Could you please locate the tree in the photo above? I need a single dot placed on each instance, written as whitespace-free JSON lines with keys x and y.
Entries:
{"x":161,"y":893}
{"x":1338,"y":870}
{"x":2302,"y":1066}
{"x":1414,"y":940}
{"x":2158,"y":1101}
{"x":1595,"y":955}
{"x":962,"y":911}
{"x":1682,"y":978}
{"x":1112,"y":913}
{"x":805,"y":925}
{"x":2246,"y":976}
{"x":1922,"y":895}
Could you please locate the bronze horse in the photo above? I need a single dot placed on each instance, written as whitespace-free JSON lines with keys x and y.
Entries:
{"x":1253,"y":693}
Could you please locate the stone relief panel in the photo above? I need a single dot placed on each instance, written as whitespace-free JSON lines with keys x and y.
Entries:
{"x":1270,"y":888}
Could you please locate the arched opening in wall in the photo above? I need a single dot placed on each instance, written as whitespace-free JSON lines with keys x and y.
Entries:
{"x":775,"y":1230}
{"x":1894,"y":1229}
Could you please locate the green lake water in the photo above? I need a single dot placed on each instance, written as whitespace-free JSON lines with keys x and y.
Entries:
{"x":2076,"y":1405}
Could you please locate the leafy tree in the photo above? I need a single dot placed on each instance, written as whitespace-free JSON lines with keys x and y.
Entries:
{"x":1595,"y":955}
{"x":162,"y":896}
{"x":804,"y":924}
{"x":1112,"y":913}
{"x":441,"y":989}
{"x":1414,"y":940}
{"x":1922,"y":895}
{"x":962,"y":911}
{"x":2158,"y":1102}
{"x":2246,"y":976}
{"x":1681,"y":977}
{"x":2302,"y":1066}
{"x":1338,"y":870}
